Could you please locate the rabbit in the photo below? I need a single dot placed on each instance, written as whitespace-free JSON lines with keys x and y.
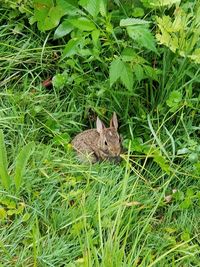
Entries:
{"x":99,"y":144}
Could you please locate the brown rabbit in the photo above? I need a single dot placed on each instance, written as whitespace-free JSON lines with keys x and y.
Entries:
{"x":100,"y":143}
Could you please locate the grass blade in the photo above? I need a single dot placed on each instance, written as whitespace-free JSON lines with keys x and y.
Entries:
{"x":5,"y":179}
{"x":21,"y":162}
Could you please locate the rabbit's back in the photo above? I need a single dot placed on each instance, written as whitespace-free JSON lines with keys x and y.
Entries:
{"x":85,"y":144}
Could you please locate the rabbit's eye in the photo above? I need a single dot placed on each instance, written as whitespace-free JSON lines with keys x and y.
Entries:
{"x":106,"y":143}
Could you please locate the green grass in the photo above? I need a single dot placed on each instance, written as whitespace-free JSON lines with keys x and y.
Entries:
{"x":69,"y":214}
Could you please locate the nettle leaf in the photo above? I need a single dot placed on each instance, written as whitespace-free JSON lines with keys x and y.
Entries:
{"x":83,"y":24}
{"x":127,"y":76}
{"x":63,"y":29}
{"x":121,"y":70}
{"x":132,"y":21}
{"x":142,"y":35}
{"x":139,"y":72}
{"x":115,"y":70}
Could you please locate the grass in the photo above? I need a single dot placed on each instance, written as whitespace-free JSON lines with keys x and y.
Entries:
{"x":69,"y":214}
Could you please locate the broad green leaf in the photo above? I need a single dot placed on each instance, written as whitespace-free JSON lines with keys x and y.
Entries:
{"x":139,"y":72}
{"x":5,"y":179}
{"x":71,"y":48}
{"x":83,"y":24}
{"x":92,"y":6}
{"x":116,"y":68}
{"x":127,"y":76}
{"x":142,"y":35}
{"x":132,"y":21}
{"x":46,"y":14}
{"x":69,"y":7}
{"x":121,"y":70}
{"x":21,"y":162}
{"x":63,"y":29}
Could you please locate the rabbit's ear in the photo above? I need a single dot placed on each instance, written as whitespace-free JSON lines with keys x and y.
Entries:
{"x":113,"y":121}
{"x":100,"y":125}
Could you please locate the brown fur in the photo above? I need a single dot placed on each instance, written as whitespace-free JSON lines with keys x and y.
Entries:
{"x":98,"y":144}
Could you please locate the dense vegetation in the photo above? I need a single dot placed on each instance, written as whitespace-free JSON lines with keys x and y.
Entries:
{"x":64,"y":62}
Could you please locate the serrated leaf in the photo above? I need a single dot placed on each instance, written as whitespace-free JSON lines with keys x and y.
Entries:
{"x":92,"y":6}
{"x":128,"y":54}
{"x":139,"y":72}
{"x":21,"y":162}
{"x":121,"y":70}
{"x":115,"y":70}
{"x":5,"y":179}
{"x":142,"y":35}
{"x":127,"y":76}
{"x":132,"y":21}
{"x":69,"y":7}
{"x":83,"y":24}
{"x":63,"y":29}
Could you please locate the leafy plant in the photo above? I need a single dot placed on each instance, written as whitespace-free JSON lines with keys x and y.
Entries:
{"x":181,"y":33}
{"x":5,"y":179}
{"x":20,"y":164}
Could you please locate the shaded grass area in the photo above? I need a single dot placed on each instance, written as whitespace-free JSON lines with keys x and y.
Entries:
{"x":68,"y":214}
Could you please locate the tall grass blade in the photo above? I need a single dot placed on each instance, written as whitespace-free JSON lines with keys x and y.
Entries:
{"x":21,"y":162}
{"x":5,"y":179}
